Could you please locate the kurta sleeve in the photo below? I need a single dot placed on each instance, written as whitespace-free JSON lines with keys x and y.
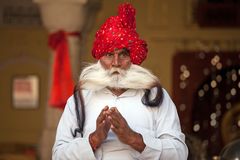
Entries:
{"x":66,"y":146}
{"x":169,"y":141}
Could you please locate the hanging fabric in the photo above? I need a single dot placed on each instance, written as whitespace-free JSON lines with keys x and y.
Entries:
{"x":62,"y":80}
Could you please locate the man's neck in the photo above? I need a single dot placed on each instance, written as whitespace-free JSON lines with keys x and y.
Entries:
{"x":117,"y":91}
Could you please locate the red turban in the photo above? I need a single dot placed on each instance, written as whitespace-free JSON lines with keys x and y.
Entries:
{"x":120,"y":32}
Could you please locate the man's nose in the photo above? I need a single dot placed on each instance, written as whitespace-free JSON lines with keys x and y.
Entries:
{"x":116,"y":62}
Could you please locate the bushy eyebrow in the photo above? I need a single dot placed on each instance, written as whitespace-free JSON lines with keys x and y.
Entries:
{"x":125,"y":50}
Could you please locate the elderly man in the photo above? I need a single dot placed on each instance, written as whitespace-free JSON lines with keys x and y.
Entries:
{"x":119,"y":110}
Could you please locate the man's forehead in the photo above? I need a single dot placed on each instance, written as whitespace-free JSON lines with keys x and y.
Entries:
{"x":117,"y":50}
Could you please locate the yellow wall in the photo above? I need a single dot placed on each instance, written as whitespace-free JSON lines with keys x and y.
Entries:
{"x":23,"y":51}
{"x":164,"y":24}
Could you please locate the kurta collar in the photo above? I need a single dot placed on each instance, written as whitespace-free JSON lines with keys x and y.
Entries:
{"x":127,"y":93}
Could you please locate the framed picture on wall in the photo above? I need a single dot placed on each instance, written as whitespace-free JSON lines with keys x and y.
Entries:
{"x":25,"y":92}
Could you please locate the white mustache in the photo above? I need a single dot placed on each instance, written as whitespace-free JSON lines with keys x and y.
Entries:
{"x":115,"y":70}
{"x":95,"y":77}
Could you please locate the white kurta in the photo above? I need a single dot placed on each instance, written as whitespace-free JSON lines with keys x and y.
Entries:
{"x":159,"y":127}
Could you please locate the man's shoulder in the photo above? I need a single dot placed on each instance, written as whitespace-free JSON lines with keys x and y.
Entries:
{"x":84,"y":92}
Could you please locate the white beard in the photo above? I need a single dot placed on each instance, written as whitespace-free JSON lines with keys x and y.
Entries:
{"x":95,"y":77}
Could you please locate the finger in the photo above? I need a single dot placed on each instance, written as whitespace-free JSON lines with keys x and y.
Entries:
{"x":112,"y":110}
{"x":107,"y":123}
{"x":102,"y":124}
{"x":114,"y":129}
{"x":115,"y":114}
{"x":115,"y":124}
{"x":105,"y":108}
{"x":115,"y":110}
{"x":100,"y":118}
{"x":103,"y":127}
{"x":102,"y":114}
{"x":118,"y":120}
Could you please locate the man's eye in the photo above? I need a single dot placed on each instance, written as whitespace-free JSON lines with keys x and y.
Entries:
{"x":124,"y":54}
{"x":109,"y":55}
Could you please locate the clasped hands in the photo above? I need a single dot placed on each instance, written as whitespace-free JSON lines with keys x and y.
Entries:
{"x":112,"y":118}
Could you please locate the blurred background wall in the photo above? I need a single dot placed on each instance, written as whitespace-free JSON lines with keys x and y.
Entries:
{"x":176,"y":32}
